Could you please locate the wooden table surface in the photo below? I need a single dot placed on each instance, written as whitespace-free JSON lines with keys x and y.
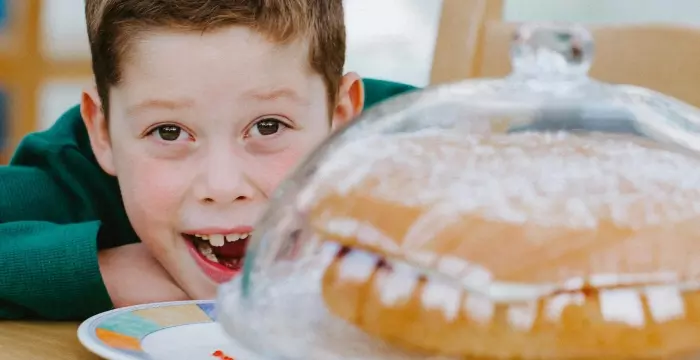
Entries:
{"x":27,"y":340}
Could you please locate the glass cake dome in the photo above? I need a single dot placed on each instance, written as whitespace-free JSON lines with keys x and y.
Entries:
{"x":544,"y":215}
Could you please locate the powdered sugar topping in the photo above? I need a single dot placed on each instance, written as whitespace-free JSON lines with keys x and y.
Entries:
{"x":539,"y":178}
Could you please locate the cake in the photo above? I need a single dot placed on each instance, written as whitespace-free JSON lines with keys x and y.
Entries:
{"x":513,"y":246}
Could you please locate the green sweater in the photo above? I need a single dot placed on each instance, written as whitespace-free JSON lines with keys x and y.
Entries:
{"x":57,"y":209}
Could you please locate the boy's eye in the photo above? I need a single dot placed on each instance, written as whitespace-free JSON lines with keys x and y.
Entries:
{"x":170,"y":133}
{"x":267,"y":127}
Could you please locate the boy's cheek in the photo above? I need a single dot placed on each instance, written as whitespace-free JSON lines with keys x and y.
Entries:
{"x":290,"y":159}
{"x":151,"y":188}
{"x":276,"y":168}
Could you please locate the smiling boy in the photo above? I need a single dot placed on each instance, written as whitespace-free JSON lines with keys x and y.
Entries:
{"x":200,"y":109}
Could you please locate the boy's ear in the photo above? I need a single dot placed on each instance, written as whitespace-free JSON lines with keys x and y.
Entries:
{"x":98,"y":129}
{"x":351,"y":100}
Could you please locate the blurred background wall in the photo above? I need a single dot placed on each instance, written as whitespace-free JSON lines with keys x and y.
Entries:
{"x":44,"y":57}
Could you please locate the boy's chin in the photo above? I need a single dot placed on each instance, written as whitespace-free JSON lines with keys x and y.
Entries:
{"x":193,"y":280}
{"x":197,"y":285}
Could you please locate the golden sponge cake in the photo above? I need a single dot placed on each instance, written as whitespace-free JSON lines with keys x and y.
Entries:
{"x":521,"y":246}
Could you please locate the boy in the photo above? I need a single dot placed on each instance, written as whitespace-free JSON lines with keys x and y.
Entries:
{"x":200,"y":109}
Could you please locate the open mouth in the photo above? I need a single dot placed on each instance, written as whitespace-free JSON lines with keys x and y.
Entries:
{"x":221,"y":256}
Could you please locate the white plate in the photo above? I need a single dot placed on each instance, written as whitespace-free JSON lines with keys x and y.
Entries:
{"x":184,"y":330}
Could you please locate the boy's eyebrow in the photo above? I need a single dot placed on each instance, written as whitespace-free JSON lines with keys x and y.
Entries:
{"x":274,"y":94}
{"x":158,"y":104}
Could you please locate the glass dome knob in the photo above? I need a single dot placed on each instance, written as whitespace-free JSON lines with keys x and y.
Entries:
{"x":560,"y":50}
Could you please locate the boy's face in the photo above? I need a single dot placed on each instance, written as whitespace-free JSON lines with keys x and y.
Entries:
{"x":202,"y":129}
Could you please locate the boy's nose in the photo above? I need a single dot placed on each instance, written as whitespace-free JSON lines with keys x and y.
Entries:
{"x":223,"y":182}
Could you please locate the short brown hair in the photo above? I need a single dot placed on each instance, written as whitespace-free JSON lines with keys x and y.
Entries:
{"x":112,"y":23}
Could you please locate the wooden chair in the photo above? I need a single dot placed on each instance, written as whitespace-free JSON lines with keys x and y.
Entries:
{"x":474,"y":41}
{"x":24,"y":69}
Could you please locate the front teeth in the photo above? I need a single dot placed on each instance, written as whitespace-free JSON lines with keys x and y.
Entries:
{"x":236,"y":237}
{"x":216,"y":240}
{"x":219,"y":240}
